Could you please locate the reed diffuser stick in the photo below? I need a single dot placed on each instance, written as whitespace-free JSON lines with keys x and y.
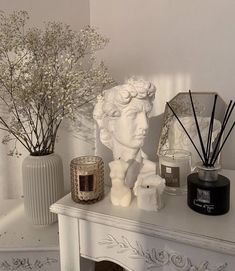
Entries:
{"x":210,"y":131}
{"x":223,"y":126}
{"x":220,"y":149}
{"x":198,"y":128}
{"x":186,"y":132}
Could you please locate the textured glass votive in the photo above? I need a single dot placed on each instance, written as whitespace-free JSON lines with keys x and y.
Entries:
{"x":87,"y":179}
{"x":175,"y":166}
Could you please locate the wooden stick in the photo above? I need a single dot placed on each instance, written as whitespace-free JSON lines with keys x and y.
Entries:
{"x":210,"y":131}
{"x":224,"y":123}
{"x":198,"y":129}
{"x":220,"y":149}
{"x":185,"y":132}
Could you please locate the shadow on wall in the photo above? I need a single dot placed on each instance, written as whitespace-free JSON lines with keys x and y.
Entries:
{"x":4,"y":171}
{"x":152,"y":138}
{"x":72,"y":141}
{"x":75,"y":140}
{"x":10,"y":166}
{"x":11,"y":173}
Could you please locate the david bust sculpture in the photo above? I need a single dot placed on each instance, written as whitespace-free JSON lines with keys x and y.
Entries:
{"x":122,"y":114}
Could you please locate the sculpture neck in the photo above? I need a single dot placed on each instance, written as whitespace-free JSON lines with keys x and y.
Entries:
{"x":125,"y":153}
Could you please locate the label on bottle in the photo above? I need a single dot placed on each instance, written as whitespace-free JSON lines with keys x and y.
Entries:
{"x":203,"y":195}
{"x":86,"y":183}
{"x":171,"y":175}
{"x":203,"y":200}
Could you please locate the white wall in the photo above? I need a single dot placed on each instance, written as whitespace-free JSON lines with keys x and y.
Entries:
{"x":75,"y":13}
{"x":179,"y":45}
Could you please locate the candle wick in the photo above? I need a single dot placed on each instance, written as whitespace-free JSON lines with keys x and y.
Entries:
{"x":147,"y":186}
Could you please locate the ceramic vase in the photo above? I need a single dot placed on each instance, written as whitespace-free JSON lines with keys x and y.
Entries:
{"x":42,"y":186}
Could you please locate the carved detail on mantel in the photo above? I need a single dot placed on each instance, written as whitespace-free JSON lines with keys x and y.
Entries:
{"x":25,"y":264}
{"x":156,"y":257}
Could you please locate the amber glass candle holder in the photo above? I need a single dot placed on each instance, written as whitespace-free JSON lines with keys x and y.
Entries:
{"x":87,"y":179}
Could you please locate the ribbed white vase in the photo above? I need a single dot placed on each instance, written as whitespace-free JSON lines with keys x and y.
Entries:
{"x":42,"y":186}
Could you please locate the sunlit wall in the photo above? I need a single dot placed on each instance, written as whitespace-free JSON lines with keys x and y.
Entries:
{"x":179,"y":45}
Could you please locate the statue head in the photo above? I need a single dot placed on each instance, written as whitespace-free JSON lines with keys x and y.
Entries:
{"x":122,"y":113}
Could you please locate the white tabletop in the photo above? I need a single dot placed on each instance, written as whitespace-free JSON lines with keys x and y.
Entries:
{"x":18,"y":234}
{"x":176,"y":221}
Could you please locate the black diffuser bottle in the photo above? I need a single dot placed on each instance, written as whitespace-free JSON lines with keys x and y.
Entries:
{"x":208,"y":191}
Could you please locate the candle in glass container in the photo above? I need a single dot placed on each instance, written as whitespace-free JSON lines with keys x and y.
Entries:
{"x":175,"y":166}
{"x":87,"y":179}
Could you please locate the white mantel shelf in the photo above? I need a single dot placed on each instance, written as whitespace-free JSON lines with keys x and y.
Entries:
{"x":24,"y":246}
{"x":176,"y":222}
{"x":17,"y":233}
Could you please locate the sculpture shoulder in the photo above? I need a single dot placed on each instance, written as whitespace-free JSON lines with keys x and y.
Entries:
{"x":148,"y":167}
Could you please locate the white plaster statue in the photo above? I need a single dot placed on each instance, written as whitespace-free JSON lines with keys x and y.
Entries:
{"x":122,"y":114}
{"x":179,"y":140}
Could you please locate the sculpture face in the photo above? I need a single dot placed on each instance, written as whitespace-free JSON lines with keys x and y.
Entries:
{"x":131,"y":127}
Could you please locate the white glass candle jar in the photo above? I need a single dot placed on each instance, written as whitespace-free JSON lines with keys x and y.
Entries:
{"x":175,"y":166}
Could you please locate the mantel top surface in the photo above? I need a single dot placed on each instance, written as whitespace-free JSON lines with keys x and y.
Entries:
{"x":18,"y":234}
{"x":175,"y":221}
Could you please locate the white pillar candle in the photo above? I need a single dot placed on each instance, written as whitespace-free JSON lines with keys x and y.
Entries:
{"x":147,"y":198}
{"x":120,"y":194}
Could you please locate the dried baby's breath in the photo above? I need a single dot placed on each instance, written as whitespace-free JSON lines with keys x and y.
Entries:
{"x":46,"y":75}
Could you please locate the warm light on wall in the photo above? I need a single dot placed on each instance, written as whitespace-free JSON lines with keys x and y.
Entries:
{"x":168,"y":85}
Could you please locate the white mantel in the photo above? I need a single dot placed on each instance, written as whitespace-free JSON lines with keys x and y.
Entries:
{"x":24,"y":246}
{"x":128,"y":235}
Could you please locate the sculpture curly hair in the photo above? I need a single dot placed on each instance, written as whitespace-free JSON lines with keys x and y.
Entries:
{"x":110,"y":104}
